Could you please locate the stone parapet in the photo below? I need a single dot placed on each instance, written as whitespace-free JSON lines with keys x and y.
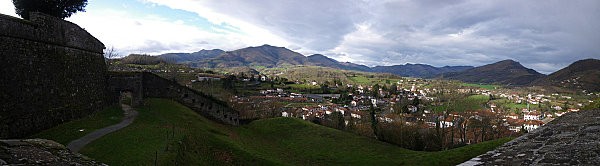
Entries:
{"x":572,"y":139}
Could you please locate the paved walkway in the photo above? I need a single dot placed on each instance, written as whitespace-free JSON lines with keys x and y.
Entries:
{"x":78,"y":144}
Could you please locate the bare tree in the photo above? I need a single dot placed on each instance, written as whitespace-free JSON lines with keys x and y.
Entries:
{"x":110,"y":53}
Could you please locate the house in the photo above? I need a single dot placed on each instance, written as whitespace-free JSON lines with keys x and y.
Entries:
{"x":492,"y":106}
{"x":353,"y":103}
{"x":374,"y":102}
{"x":355,"y":114}
{"x":341,"y":110}
{"x":385,"y":118}
{"x":412,"y":108}
{"x":531,"y":125}
{"x":532,"y":116}
{"x":286,"y":114}
{"x":512,"y":115}
{"x":447,"y":122}
{"x":515,"y":125}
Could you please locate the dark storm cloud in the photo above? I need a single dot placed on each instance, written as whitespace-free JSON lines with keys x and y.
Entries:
{"x":544,"y":35}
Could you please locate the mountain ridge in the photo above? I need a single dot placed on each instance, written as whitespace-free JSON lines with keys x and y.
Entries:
{"x":582,"y":74}
{"x":272,"y":56}
{"x":508,"y":72}
{"x":191,"y":57}
{"x":418,"y":70}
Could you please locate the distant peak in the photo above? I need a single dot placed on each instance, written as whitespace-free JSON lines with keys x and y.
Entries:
{"x":317,"y":55}
{"x":216,"y":49}
{"x":587,"y":60}
{"x":267,"y":45}
{"x":507,"y":61}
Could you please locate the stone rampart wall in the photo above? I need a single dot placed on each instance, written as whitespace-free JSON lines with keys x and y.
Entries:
{"x":52,"y":71}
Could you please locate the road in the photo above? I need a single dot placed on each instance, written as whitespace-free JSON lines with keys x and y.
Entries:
{"x":78,"y":144}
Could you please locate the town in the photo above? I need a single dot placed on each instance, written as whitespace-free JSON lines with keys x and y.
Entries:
{"x":453,"y":112}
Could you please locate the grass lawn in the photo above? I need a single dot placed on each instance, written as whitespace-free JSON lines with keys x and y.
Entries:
{"x":471,"y":103}
{"x":297,"y":142}
{"x":169,"y":133}
{"x":484,"y":86}
{"x":69,"y":131}
{"x":360,"y":80}
{"x":303,"y":86}
{"x":511,"y":105}
{"x":278,"y":141}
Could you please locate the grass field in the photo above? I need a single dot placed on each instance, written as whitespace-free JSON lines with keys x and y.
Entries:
{"x":303,"y":86}
{"x":471,"y":103}
{"x":362,"y":80}
{"x":175,"y":135}
{"x":297,"y":142}
{"x":484,"y":86}
{"x":70,"y":131}
{"x":169,"y":133}
{"x":511,"y":105}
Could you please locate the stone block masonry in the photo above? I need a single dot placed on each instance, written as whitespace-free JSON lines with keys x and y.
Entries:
{"x":158,"y":87}
{"x":572,"y":139}
{"x":51,"y":71}
{"x":145,"y":85}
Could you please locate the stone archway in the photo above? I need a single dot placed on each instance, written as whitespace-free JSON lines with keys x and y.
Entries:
{"x":126,"y":97}
{"x":127,"y":85}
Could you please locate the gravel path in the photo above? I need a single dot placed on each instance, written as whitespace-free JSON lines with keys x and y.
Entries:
{"x":78,"y":144}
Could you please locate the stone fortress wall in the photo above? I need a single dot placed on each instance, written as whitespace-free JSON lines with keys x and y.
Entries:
{"x":148,"y":85}
{"x":572,"y":139}
{"x":52,"y":71}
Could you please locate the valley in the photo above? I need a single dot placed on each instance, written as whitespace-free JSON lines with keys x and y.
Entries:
{"x":445,"y":113}
{"x":168,"y":133}
{"x":191,"y":82}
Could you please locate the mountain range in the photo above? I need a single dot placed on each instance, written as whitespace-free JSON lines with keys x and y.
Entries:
{"x":584,"y":74}
{"x":271,"y":56}
{"x":419,"y":70}
{"x":191,"y":57}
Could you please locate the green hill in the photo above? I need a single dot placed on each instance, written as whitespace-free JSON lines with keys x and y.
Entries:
{"x":506,"y":72}
{"x":169,"y":133}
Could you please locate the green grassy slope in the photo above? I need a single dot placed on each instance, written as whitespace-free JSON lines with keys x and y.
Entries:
{"x":471,"y":103}
{"x":168,"y":133}
{"x":171,"y":134}
{"x":484,"y":86}
{"x":298,"y":142}
{"x":70,"y":131}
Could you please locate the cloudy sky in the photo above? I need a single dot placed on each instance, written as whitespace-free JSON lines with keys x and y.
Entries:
{"x":545,"y":35}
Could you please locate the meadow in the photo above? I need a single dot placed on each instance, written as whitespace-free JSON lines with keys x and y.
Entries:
{"x":167,"y":133}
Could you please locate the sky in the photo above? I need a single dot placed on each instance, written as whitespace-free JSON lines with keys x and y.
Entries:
{"x":545,"y":35}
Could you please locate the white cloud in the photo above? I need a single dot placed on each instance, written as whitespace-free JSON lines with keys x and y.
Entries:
{"x":543,"y":35}
{"x":7,"y":7}
{"x":153,"y":34}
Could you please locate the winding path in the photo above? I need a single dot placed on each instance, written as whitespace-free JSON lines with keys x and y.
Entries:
{"x":130,"y":115}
